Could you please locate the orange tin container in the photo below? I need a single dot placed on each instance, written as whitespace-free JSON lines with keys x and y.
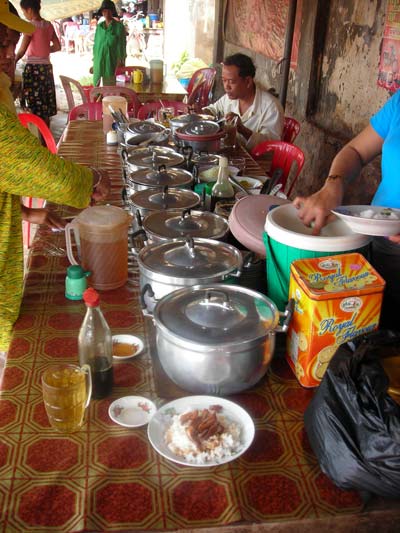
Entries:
{"x":336,"y":298}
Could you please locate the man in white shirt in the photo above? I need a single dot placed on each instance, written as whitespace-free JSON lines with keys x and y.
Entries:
{"x":258,"y":115}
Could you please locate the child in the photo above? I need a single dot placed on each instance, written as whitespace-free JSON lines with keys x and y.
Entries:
{"x":38,"y":91}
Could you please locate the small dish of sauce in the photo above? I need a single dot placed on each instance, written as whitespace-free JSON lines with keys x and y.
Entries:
{"x":126,"y":346}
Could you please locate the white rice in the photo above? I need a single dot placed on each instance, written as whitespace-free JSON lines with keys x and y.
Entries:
{"x":222,"y":446}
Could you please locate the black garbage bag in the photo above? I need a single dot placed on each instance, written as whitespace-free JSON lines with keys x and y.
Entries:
{"x":353,"y":424}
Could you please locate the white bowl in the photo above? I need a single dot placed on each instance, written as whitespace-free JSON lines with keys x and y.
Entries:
{"x":128,"y":340}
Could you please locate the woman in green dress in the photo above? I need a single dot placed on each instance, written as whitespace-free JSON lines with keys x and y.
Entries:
{"x":109,"y":49}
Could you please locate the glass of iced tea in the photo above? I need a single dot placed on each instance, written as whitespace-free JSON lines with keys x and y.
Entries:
{"x":66,"y":394}
{"x":230,"y":134}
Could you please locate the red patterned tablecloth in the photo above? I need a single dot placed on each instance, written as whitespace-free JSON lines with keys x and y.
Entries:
{"x":108,"y":478}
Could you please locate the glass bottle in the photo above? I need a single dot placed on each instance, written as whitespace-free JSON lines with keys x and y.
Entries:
{"x":222,"y":190}
{"x":95,"y":345}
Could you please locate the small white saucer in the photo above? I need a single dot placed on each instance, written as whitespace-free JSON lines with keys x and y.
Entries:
{"x":131,"y":411}
{"x":126,"y":340}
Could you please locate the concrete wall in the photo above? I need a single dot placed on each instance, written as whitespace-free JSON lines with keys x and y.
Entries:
{"x":333,"y":92}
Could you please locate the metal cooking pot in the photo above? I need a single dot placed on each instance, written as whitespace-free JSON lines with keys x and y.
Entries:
{"x":145,"y":178}
{"x":217,"y":339}
{"x":150,"y":157}
{"x":172,"y":265}
{"x":161,"y":226}
{"x":183,"y":120}
{"x":143,"y":130}
{"x":161,"y":199}
{"x":204,"y":135}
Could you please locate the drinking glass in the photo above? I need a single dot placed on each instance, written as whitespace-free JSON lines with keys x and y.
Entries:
{"x":66,"y":394}
{"x":230,"y":135}
{"x":165,"y":114}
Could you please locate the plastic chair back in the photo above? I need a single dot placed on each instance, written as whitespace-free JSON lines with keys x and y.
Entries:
{"x":150,"y":109}
{"x":68,"y":84}
{"x":200,"y":86}
{"x":114,"y":90}
{"x":130,"y":69}
{"x":284,"y":156}
{"x":88,"y":111}
{"x":291,"y":129}
{"x":29,"y":118}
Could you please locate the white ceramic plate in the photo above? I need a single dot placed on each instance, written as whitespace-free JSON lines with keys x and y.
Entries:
{"x":161,"y":421}
{"x":131,"y":411}
{"x":360,"y":219}
{"x":128,"y":340}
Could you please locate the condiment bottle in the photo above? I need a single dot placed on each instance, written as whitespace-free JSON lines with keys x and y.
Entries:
{"x":222,"y":190}
{"x":95,"y":346}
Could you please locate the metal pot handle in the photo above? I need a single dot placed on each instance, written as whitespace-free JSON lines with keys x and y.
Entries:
{"x":124,"y":155}
{"x":287,"y":315}
{"x":225,"y":296}
{"x":132,"y":238}
{"x":146,"y":289}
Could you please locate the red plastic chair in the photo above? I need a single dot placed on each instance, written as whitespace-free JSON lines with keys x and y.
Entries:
{"x":68,"y":85}
{"x":200,"y":86}
{"x":88,"y":111}
{"x":291,"y":129}
{"x":149,"y":109}
{"x":97,"y":94}
{"x":30,"y":118}
{"x":284,"y":156}
{"x":26,"y":119}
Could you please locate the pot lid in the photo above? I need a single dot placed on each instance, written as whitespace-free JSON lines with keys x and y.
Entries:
{"x":166,"y":199}
{"x":201,"y":127}
{"x":154,"y":156}
{"x":190,"y":258}
{"x":178,"y":224}
{"x":173,"y":177}
{"x":216,"y":314}
{"x":144,"y":126}
{"x":181,"y":120}
{"x":204,"y":158}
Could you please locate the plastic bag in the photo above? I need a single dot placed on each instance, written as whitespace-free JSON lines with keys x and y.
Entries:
{"x":353,"y":424}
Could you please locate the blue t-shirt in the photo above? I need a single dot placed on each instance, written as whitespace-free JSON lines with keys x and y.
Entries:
{"x":386,"y":123}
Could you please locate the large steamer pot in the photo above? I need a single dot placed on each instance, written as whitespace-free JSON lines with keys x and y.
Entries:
{"x":145,"y":178}
{"x":181,"y":121}
{"x":172,"y":265}
{"x":161,"y":226}
{"x":202,"y":136}
{"x":217,"y":339}
{"x":149,"y":200}
{"x":150,"y":157}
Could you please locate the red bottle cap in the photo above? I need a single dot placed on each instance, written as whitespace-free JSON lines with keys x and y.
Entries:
{"x":91,"y":297}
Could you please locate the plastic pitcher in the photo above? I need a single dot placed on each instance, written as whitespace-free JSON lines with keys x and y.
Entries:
{"x":102,"y":235}
{"x":156,"y":71}
{"x":112,"y":103}
{"x":137,"y":76}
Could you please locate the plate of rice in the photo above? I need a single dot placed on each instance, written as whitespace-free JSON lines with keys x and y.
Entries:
{"x":370,"y":219}
{"x":201,"y":431}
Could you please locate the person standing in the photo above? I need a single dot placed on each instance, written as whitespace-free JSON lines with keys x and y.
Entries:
{"x":38,"y":90}
{"x":109,"y":49}
{"x":257,"y":113}
{"x":26,"y":168}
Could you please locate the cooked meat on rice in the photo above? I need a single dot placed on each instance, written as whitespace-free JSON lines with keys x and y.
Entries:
{"x":203,"y":435}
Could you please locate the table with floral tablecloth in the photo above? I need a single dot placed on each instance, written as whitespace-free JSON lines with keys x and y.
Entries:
{"x":109,"y":478}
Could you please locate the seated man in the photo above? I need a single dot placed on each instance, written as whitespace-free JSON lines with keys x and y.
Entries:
{"x":258,"y":115}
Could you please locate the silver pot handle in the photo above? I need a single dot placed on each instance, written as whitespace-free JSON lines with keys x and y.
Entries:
{"x":287,"y":315}
{"x":147,"y":289}
{"x":132,"y":237}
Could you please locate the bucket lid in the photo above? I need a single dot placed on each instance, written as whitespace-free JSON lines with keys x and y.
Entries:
{"x":284,"y":225}
{"x":216,"y":315}
{"x":337,"y":276}
{"x":247,"y":219}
